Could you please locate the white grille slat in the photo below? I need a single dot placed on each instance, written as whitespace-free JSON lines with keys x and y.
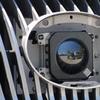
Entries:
{"x":34,"y":13}
{"x":62,"y":9}
{"x":51,"y":92}
{"x":48,"y":10}
{"x":76,"y":8}
{"x":1,"y":94}
{"x":90,"y":10}
{"x":15,"y":47}
{"x":75,"y":96}
{"x":38,"y":87}
{"x":63,"y":94}
{"x":97,"y":90}
{"x":86,"y":94}
{"x":8,"y":71}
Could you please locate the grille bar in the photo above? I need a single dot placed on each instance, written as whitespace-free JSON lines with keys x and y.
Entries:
{"x":63,"y":94}
{"x":90,"y":10}
{"x":17,"y":52}
{"x":97,"y":93}
{"x":75,"y":97}
{"x":1,"y":94}
{"x":86,"y":94}
{"x":62,"y":8}
{"x":48,"y":9}
{"x":38,"y":87}
{"x":8,"y":71}
{"x":51,"y":92}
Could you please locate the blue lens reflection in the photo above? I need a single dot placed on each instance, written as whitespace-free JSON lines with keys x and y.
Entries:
{"x":71,"y":52}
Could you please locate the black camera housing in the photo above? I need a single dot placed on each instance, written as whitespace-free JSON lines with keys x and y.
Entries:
{"x":87,"y":66}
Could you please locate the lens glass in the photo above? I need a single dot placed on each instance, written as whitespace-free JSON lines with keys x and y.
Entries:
{"x":71,"y":52}
{"x":72,"y":56}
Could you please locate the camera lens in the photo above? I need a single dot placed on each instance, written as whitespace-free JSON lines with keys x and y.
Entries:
{"x":70,"y":55}
{"x":71,"y":52}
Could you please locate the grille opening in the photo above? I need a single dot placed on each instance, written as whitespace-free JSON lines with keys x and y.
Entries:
{"x":4,"y":35}
{"x":20,"y":97}
{"x":33,"y":96}
{"x":92,"y":94}
{"x":68,"y":4}
{"x":80,"y":94}
{"x":95,"y":6}
{"x":12,"y":13}
{"x":57,"y":93}
{"x":26,"y":10}
{"x":39,"y":6}
{"x":69,"y":94}
{"x":53,"y":4}
{"x":13,"y":65}
{"x":44,"y":96}
{"x":74,"y":85}
{"x":82,"y":5}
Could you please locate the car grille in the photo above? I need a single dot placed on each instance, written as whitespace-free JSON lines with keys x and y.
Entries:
{"x":16,"y":80}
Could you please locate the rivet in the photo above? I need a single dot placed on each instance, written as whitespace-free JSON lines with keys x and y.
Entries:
{"x":45,"y":22}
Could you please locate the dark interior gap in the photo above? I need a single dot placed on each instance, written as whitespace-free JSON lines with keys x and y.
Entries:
{"x":53,"y":4}
{"x":82,"y":5}
{"x":39,"y":6}
{"x":68,"y":4}
{"x":95,"y":6}
{"x":4,"y":34}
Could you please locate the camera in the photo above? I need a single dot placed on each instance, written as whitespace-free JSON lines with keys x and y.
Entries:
{"x":62,"y":47}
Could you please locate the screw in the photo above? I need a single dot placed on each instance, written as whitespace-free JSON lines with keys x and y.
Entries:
{"x":41,"y":37}
{"x":96,"y":55}
{"x":97,"y":73}
{"x":96,"y":36}
{"x":91,"y":35}
{"x":43,"y":74}
{"x":45,"y":22}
